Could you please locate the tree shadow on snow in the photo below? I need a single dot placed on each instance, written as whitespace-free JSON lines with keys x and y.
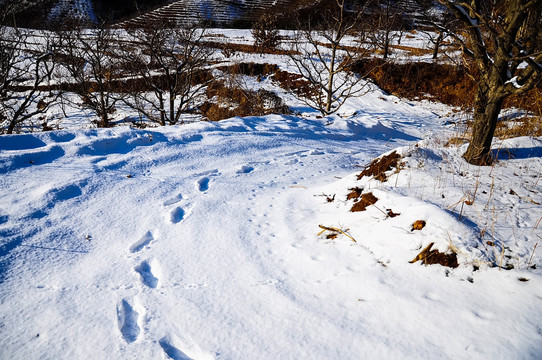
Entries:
{"x":517,"y":153}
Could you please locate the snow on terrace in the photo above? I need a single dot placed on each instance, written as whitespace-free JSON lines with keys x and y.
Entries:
{"x":200,"y":241}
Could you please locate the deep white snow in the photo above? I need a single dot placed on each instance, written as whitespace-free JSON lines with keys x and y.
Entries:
{"x":201,"y":241}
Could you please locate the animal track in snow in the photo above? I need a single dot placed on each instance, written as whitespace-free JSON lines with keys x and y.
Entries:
{"x":177,"y":215}
{"x":141,"y":243}
{"x":203,"y":184}
{"x":173,"y":200}
{"x":148,"y":275}
{"x":127,"y":319}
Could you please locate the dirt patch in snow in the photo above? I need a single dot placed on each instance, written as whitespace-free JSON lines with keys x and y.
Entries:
{"x":366,"y":200}
{"x":378,"y":167}
{"x":431,"y":257}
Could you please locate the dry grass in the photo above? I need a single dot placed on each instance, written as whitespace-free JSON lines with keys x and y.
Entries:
{"x":413,"y":51}
{"x":525,"y":126}
{"x":295,"y":83}
{"x":229,"y":101}
{"x":244,"y":48}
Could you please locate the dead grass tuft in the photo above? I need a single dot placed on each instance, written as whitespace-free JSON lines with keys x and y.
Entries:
{"x":525,"y":126}
{"x":229,"y":101}
{"x":295,"y":83}
{"x":250,"y":69}
{"x":456,"y":141}
{"x":418,"y":225}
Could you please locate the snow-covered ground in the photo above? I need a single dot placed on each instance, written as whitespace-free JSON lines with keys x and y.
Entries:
{"x":201,"y":241}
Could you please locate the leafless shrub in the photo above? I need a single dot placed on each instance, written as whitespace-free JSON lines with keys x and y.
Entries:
{"x":322,"y":58}
{"x":91,"y":59}
{"x":24,"y":67}
{"x":266,"y":35}
{"x":172,"y":63}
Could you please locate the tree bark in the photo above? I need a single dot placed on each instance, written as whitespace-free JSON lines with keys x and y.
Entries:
{"x":438,"y":41}
{"x":487,"y":105}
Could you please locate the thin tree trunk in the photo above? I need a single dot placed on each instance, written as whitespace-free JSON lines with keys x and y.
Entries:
{"x":386,"y":45}
{"x":11,"y":127}
{"x":437,"y":45}
{"x":329,"y":89}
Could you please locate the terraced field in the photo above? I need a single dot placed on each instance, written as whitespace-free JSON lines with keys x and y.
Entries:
{"x":219,"y":11}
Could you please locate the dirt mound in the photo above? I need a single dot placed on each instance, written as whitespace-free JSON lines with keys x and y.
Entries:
{"x":378,"y":167}
{"x":366,"y":200}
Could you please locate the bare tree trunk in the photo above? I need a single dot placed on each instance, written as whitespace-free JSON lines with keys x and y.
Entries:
{"x":487,"y":105}
{"x":438,"y":41}
{"x":329,"y":90}
{"x":386,"y":45}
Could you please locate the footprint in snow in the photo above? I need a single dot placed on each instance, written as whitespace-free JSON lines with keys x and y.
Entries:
{"x":212,"y":172}
{"x":203,"y":184}
{"x":149,"y":275}
{"x":317,"y":152}
{"x":291,"y":162}
{"x":177,"y":215}
{"x":245,"y":169}
{"x":127,"y":320}
{"x":172,"y":351}
{"x":173,"y":200}
{"x":141,"y":243}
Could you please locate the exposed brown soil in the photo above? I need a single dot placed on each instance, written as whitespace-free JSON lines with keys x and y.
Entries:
{"x":366,"y":200}
{"x":430,"y":257}
{"x":354,"y":193}
{"x":378,"y":167}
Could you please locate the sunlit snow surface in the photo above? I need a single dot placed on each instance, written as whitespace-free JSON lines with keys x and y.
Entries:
{"x":200,"y":241}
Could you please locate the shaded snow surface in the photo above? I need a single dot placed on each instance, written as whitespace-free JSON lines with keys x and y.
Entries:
{"x":200,"y":242}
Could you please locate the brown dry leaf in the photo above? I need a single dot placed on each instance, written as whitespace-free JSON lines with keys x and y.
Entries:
{"x":418,"y":225}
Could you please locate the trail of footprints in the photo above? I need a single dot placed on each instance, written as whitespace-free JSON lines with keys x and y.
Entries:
{"x":129,"y":311}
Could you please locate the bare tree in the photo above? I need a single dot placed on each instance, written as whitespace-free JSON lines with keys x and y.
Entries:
{"x":171,"y":62}
{"x":324,"y":54}
{"x":90,"y":57}
{"x":387,"y":25}
{"x":265,"y":33}
{"x":440,"y":22}
{"x":503,"y":42}
{"x":25,"y":66}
